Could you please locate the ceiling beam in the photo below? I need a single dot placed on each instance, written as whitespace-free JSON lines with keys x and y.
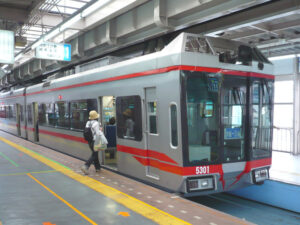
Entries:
{"x":272,"y":29}
{"x":13,"y":14}
{"x":267,"y":12}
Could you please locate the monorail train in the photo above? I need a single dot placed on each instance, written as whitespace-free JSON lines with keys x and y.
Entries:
{"x":194,"y":118}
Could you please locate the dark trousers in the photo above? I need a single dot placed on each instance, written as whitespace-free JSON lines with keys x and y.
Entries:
{"x":93,"y":158}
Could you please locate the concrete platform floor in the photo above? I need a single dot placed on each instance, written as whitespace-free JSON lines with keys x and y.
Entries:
{"x":285,"y":168}
{"x":42,"y":186}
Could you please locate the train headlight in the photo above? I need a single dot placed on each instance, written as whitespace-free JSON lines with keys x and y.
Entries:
{"x":200,"y":183}
{"x":260,"y":175}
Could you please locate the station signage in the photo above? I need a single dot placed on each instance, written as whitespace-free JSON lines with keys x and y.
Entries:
{"x":7,"y":46}
{"x":53,"y":51}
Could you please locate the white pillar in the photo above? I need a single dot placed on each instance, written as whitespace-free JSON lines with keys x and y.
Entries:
{"x":296,"y":122}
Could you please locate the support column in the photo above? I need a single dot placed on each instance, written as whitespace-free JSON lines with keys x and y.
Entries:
{"x":296,"y":122}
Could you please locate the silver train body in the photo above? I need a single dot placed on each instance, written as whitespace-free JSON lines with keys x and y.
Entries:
{"x":168,"y":145}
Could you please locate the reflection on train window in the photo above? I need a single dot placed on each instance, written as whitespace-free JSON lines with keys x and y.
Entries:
{"x":47,"y":115}
{"x":174,"y":132}
{"x":21,"y":113}
{"x":80,"y":112}
{"x":152,"y":117}
{"x":29,"y":114}
{"x":14,"y":112}
{"x":2,"y":112}
{"x":203,"y":122}
{"x":10,"y":112}
{"x":206,"y":108}
{"x":61,"y":111}
{"x":42,"y":114}
{"x":261,"y":119}
{"x":129,"y":120}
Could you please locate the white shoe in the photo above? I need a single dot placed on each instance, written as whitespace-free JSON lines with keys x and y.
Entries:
{"x":85,"y":170}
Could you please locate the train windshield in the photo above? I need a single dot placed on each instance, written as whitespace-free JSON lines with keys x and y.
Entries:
{"x":217,"y":115}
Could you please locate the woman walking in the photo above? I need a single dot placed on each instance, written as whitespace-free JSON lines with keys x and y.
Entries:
{"x":96,"y":131}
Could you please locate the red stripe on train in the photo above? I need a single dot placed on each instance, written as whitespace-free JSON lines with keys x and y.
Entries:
{"x":251,"y":165}
{"x":64,"y":136}
{"x":145,"y":153}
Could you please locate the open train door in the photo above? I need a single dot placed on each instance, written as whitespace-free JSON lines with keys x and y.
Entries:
{"x":152,"y":134}
{"x":108,"y":122}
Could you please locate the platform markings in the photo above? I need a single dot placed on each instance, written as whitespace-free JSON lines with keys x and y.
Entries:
{"x":24,"y":173}
{"x":144,"y":209}
{"x":158,"y":201}
{"x":124,"y":214}
{"x":63,"y":200}
{"x":171,"y":206}
{"x":183,"y":211}
{"x":8,"y":159}
{"x":212,"y":223}
{"x":175,"y":196}
{"x":139,"y":193}
{"x":149,"y":197}
{"x":130,"y":189}
{"x":197,"y":217}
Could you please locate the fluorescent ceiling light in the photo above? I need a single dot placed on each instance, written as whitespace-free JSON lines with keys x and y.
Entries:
{"x":282,"y":57}
{"x":5,"y":66}
{"x":92,"y":8}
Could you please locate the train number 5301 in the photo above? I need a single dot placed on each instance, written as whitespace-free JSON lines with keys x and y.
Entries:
{"x":202,"y":169}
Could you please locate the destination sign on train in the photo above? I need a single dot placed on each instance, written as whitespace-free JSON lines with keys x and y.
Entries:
{"x":7,"y":45}
{"x":54,"y":51}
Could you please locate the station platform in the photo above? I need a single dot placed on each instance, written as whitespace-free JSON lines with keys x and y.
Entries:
{"x":40,"y":186}
{"x":283,"y":188}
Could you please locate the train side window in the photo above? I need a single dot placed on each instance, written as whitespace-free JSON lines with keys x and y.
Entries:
{"x":29,"y":114}
{"x":174,"y":131}
{"x":129,"y":120}
{"x":79,"y":112}
{"x":61,"y":110}
{"x":46,"y":114}
{"x":42,"y":114}
{"x":10,"y":111}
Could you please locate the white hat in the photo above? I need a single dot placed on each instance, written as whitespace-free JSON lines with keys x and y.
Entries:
{"x":93,"y":115}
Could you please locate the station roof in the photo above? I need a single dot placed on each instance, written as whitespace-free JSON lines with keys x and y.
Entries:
{"x":30,"y":19}
{"x":98,"y":27}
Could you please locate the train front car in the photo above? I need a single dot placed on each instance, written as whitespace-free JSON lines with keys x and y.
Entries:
{"x":226,"y":114}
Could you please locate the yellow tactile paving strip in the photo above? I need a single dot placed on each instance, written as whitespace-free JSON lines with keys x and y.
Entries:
{"x":144,"y":209}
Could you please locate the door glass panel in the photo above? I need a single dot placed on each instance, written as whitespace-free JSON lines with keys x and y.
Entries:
{"x":234,"y":120}
{"x":152,"y":117}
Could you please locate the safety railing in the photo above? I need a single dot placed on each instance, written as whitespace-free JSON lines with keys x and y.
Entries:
{"x":283,"y":139}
